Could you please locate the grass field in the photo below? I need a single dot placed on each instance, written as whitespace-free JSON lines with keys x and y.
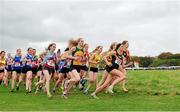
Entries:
{"x":148,"y":90}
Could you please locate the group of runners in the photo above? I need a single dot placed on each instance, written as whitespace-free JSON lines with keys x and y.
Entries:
{"x":74,"y":67}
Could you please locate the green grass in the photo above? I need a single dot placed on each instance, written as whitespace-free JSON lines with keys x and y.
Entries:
{"x":148,"y":90}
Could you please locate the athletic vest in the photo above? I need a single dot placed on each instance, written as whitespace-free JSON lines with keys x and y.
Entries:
{"x":96,"y":58}
{"x":3,"y":62}
{"x":78,"y":53}
{"x":35,"y":62}
{"x":120,"y":57}
{"x":9,"y":60}
{"x":125,"y":56}
{"x":50,"y":57}
{"x":17,"y":61}
{"x":29,"y":59}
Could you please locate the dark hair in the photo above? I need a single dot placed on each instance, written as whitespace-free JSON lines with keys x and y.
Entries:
{"x":59,"y":50}
{"x":50,"y":45}
{"x":34,"y":49}
{"x":117,"y":46}
{"x":2,"y":52}
{"x":124,"y":42}
{"x":29,"y":48}
{"x":67,"y":49}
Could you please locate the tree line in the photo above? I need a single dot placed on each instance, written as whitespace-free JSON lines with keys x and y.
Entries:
{"x":163,"y":59}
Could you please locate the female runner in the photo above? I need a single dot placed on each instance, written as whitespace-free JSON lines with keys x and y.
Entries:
{"x":94,"y":64}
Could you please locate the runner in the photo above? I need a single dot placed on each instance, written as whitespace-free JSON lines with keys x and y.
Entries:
{"x":17,"y":67}
{"x":94,"y":65}
{"x":2,"y":65}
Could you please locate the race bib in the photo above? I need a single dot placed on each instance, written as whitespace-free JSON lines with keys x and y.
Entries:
{"x":17,"y":64}
{"x":117,"y":62}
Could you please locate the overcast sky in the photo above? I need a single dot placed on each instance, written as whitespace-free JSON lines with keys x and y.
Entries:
{"x":151,"y":26}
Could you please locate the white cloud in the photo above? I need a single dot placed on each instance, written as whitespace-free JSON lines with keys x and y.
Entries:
{"x":150,"y":26}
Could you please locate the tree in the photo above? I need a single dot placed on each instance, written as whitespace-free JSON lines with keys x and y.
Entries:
{"x":165,"y":55}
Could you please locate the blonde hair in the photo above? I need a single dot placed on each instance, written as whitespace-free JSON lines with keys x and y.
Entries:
{"x":96,"y":49}
{"x":18,"y":49}
{"x":85,"y":44}
{"x":78,"y":40}
{"x":41,"y":54}
{"x":112,"y":46}
{"x":72,"y":43}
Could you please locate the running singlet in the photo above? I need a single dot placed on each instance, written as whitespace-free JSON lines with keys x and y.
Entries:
{"x":78,"y":53}
{"x":17,"y":61}
{"x":2,"y":62}
{"x":114,"y":63}
{"x":95,"y":59}
{"x":120,"y":57}
{"x":86,"y":57}
{"x":113,"y":59}
{"x":9,"y":60}
{"x":126,"y":56}
{"x":35,"y":62}
{"x":50,"y":59}
{"x":61,"y":64}
{"x":29,"y":59}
